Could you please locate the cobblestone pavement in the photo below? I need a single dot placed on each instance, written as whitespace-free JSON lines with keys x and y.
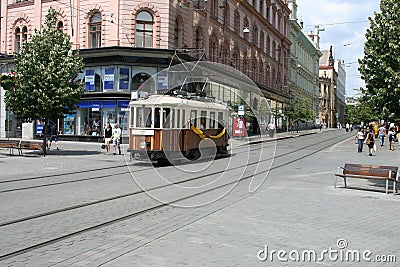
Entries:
{"x":297,"y":210}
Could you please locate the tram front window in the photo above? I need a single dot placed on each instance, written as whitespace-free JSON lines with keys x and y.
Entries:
{"x":143,"y":117}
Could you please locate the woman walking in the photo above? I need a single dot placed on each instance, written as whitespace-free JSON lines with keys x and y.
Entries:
{"x":107,"y":137}
{"x":369,"y":140}
{"x":391,"y":135}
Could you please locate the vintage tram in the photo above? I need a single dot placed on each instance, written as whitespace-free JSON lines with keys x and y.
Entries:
{"x":168,"y":127}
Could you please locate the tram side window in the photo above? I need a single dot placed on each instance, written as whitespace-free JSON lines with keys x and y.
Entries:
{"x":166,"y":118}
{"x":132,"y":117}
{"x":221,"y":118}
{"x":193,"y":117}
{"x":157,"y":117}
{"x":139,"y":116}
{"x":184,"y":119}
{"x":212,"y":120}
{"x":203,"y":119}
{"x":147,"y":115}
{"x":178,"y":118}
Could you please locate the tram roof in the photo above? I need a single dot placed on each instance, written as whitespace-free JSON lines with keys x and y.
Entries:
{"x":173,"y":101}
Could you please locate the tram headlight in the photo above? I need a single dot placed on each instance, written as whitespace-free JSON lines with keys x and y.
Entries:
{"x":142,"y":144}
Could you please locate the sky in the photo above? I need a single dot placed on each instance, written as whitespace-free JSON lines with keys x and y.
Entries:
{"x":345,"y":24}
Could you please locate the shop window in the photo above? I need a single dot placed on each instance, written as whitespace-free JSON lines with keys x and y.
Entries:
{"x":89,"y":80}
{"x":138,"y":80}
{"x":98,"y":83}
{"x":109,"y":79}
{"x":144,"y":29}
{"x":123,"y":79}
{"x":95,"y":30}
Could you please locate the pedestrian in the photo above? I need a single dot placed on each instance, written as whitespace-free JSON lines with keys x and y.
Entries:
{"x":107,"y":137}
{"x":369,"y":141}
{"x":271,"y":129}
{"x":382,"y":133}
{"x":116,"y":139}
{"x":360,"y":139}
{"x":391,"y":135}
{"x":347,"y":127}
{"x":53,"y":136}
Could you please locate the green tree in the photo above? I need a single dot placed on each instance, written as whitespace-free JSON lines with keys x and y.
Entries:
{"x":380,"y":67}
{"x":362,"y":112}
{"x":299,"y":110}
{"x":46,"y":69}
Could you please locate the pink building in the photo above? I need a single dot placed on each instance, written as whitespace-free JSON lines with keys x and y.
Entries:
{"x":123,"y":43}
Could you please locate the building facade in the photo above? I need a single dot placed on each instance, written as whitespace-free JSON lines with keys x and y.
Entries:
{"x":340,"y":91}
{"x":125,"y":43}
{"x":303,"y":62}
{"x":328,"y":92}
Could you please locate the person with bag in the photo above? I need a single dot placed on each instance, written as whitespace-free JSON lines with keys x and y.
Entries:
{"x":391,"y":135}
{"x":107,"y":137}
{"x":369,"y":140}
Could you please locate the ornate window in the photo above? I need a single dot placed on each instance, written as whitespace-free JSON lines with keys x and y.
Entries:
{"x":246,"y":26}
{"x":255,"y":35}
{"x":20,"y":37}
{"x":236,"y":22}
{"x":198,"y":39}
{"x":268,"y":46}
{"x":144,"y":29}
{"x":60,"y":26}
{"x":95,"y":30}
{"x":262,"y":41}
{"x":214,"y":9}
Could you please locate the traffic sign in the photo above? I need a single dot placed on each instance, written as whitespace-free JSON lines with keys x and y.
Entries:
{"x":240,"y":110}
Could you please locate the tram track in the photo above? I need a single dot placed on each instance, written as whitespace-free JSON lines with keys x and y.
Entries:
{"x":326,"y":143}
{"x":69,"y":208}
{"x":101,"y":176}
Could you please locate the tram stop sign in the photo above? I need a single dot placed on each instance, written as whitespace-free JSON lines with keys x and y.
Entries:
{"x":240,"y":110}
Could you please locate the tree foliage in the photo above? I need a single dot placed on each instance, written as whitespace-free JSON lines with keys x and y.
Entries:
{"x":299,"y":110}
{"x":361,"y":112}
{"x":46,"y":68}
{"x":380,"y":67}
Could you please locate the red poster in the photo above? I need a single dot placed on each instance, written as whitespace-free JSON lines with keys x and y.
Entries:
{"x":238,"y":127}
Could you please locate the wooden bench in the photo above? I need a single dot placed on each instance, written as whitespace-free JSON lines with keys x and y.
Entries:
{"x":9,"y":144}
{"x":30,"y":145}
{"x":369,"y":172}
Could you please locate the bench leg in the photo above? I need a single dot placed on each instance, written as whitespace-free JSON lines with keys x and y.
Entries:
{"x":387,"y":186}
{"x":345,"y":182}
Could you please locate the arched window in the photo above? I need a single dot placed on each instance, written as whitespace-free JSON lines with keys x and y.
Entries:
{"x":214,"y":9}
{"x":236,"y":22}
{"x":178,"y":33}
{"x":262,"y":41}
{"x":98,"y":83}
{"x":274,"y":50}
{"x":24,"y":34}
{"x":246,"y":26}
{"x":144,"y":29}
{"x":17,"y":39}
{"x":20,"y":37}
{"x":213,"y":50}
{"x":268,"y":46}
{"x":198,"y":39}
{"x":60,"y":26}
{"x":95,"y":30}
{"x":255,"y":35}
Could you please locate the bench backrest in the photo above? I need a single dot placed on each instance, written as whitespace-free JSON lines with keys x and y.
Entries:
{"x":370,"y":170}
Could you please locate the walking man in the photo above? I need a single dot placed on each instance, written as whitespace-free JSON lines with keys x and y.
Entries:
{"x":382,"y":133}
{"x":360,"y":139}
{"x":116,"y":139}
